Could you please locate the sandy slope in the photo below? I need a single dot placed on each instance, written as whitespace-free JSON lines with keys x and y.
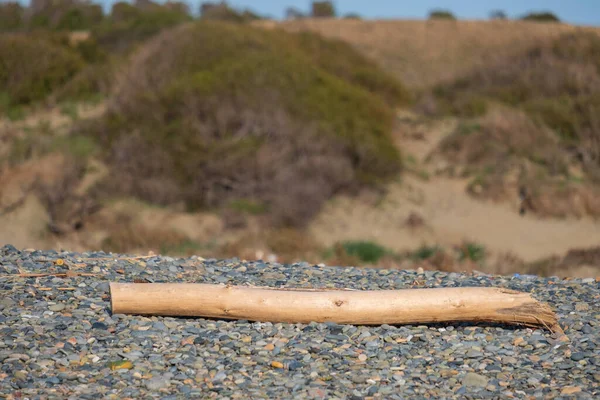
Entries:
{"x":450,"y":215}
{"x":425,"y":52}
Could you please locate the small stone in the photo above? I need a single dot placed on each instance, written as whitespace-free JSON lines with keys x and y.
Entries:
{"x":9,"y":249}
{"x":220,"y":376}
{"x":19,"y":356}
{"x":88,"y":352}
{"x":570,"y":390}
{"x":6,"y":303}
{"x":475,"y":380}
{"x":473,"y":353}
{"x":493,"y":367}
{"x":99,"y":325}
{"x":447,"y":373}
{"x":21,"y":375}
{"x":157,"y":382}
{"x":509,"y":360}
{"x":294,"y":365}
{"x":533,"y":381}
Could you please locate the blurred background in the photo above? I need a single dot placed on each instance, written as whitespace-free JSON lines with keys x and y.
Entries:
{"x":374,"y":134}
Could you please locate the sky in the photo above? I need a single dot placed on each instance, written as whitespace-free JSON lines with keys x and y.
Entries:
{"x":579,"y":12}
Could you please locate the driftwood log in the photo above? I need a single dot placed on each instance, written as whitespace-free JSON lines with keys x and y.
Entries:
{"x":407,"y":306}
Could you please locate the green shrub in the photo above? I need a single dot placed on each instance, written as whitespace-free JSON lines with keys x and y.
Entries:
{"x":8,"y":110}
{"x":72,"y":20}
{"x":441,"y":14}
{"x":425,"y":252}
{"x":472,"y":251}
{"x":559,"y":113}
{"x":178,"y":6}
{"x":367,"y":252}
{"x":556,"y":83}
{"x":467,"y":128}
{"x":93,"y":82}
{"x":353,"y":16}
{"x":248,"y":206}
{"x":33,"y":68}
{"x":223,"y":12}
{"x":90,"y":51}
{"x":65,"y":15}
{"x":240,"y":112}
{"x":86,"y":46}
{"x":77,"y":146}
{"x":341,"y":59}
{"x":11,"y":17}
{"x":497,"y":142}
{"x":184,"y":248}
{"x":129,"y":26}
{"x":70,"y":110}
{"x":541,"y":17}
{"x":39,"y":21}
{"x":124,"y":12}
{"x":323,"y":9}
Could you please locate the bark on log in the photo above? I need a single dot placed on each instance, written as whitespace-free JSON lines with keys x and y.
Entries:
{"x":407,"y":306}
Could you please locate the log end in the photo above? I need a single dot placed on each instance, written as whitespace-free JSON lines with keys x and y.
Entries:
{"x":113,"y":291}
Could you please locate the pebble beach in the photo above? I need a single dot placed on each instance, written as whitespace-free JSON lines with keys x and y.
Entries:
{"x":60,"y":340}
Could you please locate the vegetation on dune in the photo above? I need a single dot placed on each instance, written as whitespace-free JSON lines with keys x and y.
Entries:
{"x":505,"y":152}
{"x":227,"y":111}
{"x":501,"y":139}
{"x":323,"y":9}
{"x":260,"y":125}
{"x":544,"y":16}
{"x":556,"y":85}
{"x":457,"y":258}
{"x":223,"y":12}
{"x":32,"y":68}
{"x":339,"y":58}
{"x":367,"y":252}
{"x":127,"y":25}
{"x":67,"y":49}
{"x":441,"y":14}
{"x":11,"y":16}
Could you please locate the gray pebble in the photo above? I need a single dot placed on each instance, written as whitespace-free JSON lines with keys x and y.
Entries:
{"x":169,"y":357}
{"x":157,"y":382}
{"x":473,"y":379}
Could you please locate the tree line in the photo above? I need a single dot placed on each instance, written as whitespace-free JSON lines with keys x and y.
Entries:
{"x":83,"y":14}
